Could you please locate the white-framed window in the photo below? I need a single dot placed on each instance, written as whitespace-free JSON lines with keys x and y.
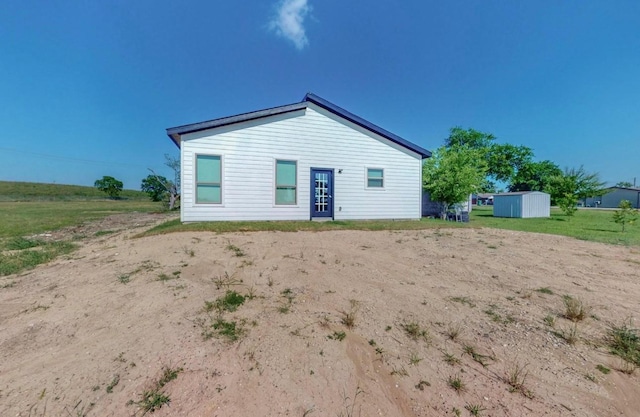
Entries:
{"x":375,"y":178}
{"x":286,"y":182}
{"x":208,"y":179}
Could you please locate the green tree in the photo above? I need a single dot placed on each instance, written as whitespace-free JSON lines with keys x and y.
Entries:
{"x":626,"y":214}
{"x":624,"y":184}
{"x":504,"y":161}
{"x":451,"y":174}
{"x":155,"y":187}
{"x":572,"y":185}
{"x":534,"y":176}
{"x":109,"y":185}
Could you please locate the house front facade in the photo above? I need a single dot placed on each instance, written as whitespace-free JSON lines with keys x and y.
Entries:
{"x":307,"y":160}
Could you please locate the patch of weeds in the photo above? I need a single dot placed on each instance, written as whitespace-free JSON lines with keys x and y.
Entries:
{"x":591,"y":377}
{"x":574,"y":309}
{"x":288,"y":296}
{"x":236,"y":250}
{"x":103,"y":232}
{"x":415,"y":331}
{"x":569,"y":335}
{"x":401,"y":371}
{"x":349,"y":404}
{"x":463,"y":300}
{"x":124,"y":278}
{"x":496,"y":317}
{"x":481,"y":359}
{"x":414,"y":359}
{"x":225,"y":281}
{"x":516,"y":377}
{"x":545,"y":290}
{"x":420,"y":385}
{"x":164,"y":277}
{"x":624,"y":342}
{"x":474,"y":409}
{"x":168,"y":375}
{"x":451,"y":359}
{"x":153,"y":399}
{"x":456,"y":383}
{"x":229,"y":302}
{"x":349,"y":318}
{"x":228,"y":329}
{"x":120,"y":358}
{"x":550,"y":320}
{"x":453,"y":331}
{"x":603,"y":369}
{"x":386,"y":329}
{"x":456,"y":412}
{"x":339,"y":336}
{"x":372,"y":342}
{"x":189,"y":252}
{"x":113,"y":383}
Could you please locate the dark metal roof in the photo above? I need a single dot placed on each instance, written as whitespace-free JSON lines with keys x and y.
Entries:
{"x":624,"y":188}
{"x":175,"y":132}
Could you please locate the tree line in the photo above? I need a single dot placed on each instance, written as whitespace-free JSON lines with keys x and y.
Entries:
{"x":471,"y":161}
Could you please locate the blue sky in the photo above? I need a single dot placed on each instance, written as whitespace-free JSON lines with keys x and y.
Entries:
{"x":88,"y":88}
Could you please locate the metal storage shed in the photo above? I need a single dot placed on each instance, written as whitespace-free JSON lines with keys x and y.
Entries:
{"x":524,"y":204}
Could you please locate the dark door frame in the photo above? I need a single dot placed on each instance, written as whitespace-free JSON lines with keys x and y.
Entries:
{"x":312,"y":212}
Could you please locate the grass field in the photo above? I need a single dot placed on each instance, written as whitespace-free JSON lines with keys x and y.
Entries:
{"x":594,"y":225}
{"x":27,"y":209}
{"x":33,"y":191}
{"x":586,"y":224}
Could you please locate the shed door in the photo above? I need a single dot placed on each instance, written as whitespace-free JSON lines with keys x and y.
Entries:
{"x":322,"y":195}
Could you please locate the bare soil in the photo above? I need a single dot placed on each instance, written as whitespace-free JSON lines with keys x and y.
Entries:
{"x":90,"y":333}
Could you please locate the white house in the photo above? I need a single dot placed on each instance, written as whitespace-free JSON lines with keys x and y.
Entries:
{"x":302,"y":161}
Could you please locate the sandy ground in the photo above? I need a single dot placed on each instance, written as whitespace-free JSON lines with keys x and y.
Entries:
{"x":75,"y":340}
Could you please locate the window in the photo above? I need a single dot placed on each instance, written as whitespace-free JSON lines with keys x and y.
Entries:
{"x":286,"y":182}
{"x":208,"y":179}
{"x":375,"y":178}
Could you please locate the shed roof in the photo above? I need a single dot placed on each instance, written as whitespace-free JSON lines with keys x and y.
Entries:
{"x":519,"y":193}
{"x":176,"y":132}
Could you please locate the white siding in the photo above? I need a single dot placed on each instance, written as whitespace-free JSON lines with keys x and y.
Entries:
{"x":314,"y":138}
{"x":536,"y":205}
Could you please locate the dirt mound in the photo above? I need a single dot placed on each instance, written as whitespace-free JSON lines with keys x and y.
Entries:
{"x":347,"y":323}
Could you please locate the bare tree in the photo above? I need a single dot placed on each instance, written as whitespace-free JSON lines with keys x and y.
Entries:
{"x":172,"y":187}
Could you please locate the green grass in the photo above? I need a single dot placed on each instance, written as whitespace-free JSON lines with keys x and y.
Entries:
{"x":593,"y":225}
{"x":31,"y":217}
{"x":31,"y":208}
{"x":296,"y":226}
{"x":586,"y":224}
{"x":34,"y":191}
{"x":15,"y":261}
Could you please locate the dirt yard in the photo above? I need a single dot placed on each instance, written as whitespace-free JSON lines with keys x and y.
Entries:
{"x":345,"y":323}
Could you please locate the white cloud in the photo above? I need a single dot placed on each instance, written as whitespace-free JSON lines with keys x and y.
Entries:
{"x":289,"y":21}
